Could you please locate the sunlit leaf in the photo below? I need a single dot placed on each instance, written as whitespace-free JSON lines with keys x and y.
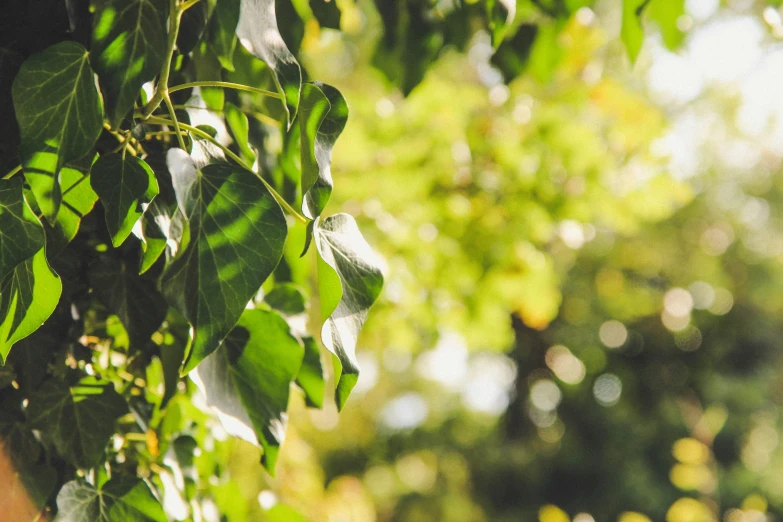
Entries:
{"x":21,"y":233}
{"x":78,"y":419}
{"x":121,"y":498}
{"x":60,"y":116}
{"x":349,"y":281}
{"x":247,"y":380}
{"x":27,"y":298}
{"x":128,"y":49}
{"x":237,"y":234}
{"x":632,"y":32}
{"x":78,"y":199}
{"x":237,"y":122}
{"x":125,"y":186}
{"x":258,"y":32}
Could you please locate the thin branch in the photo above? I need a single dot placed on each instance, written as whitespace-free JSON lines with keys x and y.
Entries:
{"x":161,"y":91}
{"x":263,"y":118}
{"x":14,"y":171}
{"x":170,"y":107}
{"x":225,"y":85}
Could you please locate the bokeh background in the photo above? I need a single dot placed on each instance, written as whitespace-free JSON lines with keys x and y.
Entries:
{"x":582,"y":318}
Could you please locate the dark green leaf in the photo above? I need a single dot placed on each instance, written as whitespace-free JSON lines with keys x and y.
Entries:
{"x":60,"y":116}
{"x":224,"y":25}
{"x":287,"y":298}
{"x":349,"y":282}
{"x":501,"y":14}
{"x":125,"y":186}
{"x":192,"y":25}
{"x":123,"y":498}
{"x":156,"y":227}
{"x":27,"y":298}
{"x":10,"y":62}
{"x":326,"y":12}
{"x":79,"y":420}
{"x":513,"y":54}
{"x":128,"y":49}
{"x":247,"y":380}
{"x":237,"y":233}
{"x":77,"y":201}
{"x":132,"y":297}
{"x":311,"y":375}
{"x":258,"y":32}
{"x":21,"y":233}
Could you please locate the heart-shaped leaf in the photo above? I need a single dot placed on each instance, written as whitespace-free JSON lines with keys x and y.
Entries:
{"x":258,"y":32}
{"x":21,"y":233}
{"x":128,"y":49}
{"x":247,"y":380}
{"x":237,"y":234}
{"x":349,"y":282}
{"x":27,"y":298}
{"x":79,"y":420}
{"x":121,"y":498}
{"x":125,"y":186}
{"x":60,"y":116}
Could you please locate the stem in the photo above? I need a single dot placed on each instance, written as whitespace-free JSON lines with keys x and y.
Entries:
{"x":198,"y":132}
{"x":161,"y":91}
{"x":170,"y":107}
{"x":11,"y":174}
{"x":263,"y":118}
{"x":225,"y":85}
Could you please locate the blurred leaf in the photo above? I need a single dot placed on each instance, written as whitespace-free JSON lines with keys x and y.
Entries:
{"x":237,"y":233}
{"x":288,"y":299}
{"x":128,"y":49}
{"x":311,"y":376}
{"x":247,"y":380}
{"x":60,"y":116}
{"x":666,"y":15}
{"x":512,"y":55}
{"x":237,"y":123}
{"x":121,"y":498}
{"x":79,"y":420}
{"x":125,"y":186}
{"x":326,"y":12}
{"x":193,"y":23}
{"x":223,"y":37}
{"x":501,"y":14}
{"x":632,"y":32}
{"x":349,"y":282}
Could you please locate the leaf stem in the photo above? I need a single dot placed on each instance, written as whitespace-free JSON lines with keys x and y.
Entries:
{"x":198,"y":132}
{"x":225,"y":85}
{"x":263,"y":118}
{"x":161,"y":90}
{"x":14,"y":171}
{"x":170,"y":107}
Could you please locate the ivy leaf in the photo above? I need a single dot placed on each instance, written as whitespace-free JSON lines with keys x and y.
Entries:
{"x":258,"y":32}
{"x":224,"y":25}
{"x":237,"y":122}
{"x":132,"y":297}
{"x":79,"y":420}
{"x":60,"y":116}
{"x":121,"y":498}
{"x":125,"y":185}
{"x":326,"y":12}
{"x":27,"y":298}
{"x":21,"y":234}
{"x":247,"y":380}
{"x":237,"y":234}
{"x":632,"y":32}
{"x":128,"y":48}
{"x":349,"y":282}
{"x":78,"y":199}
{"x":311,"y":375}
{"x":501,"y":15}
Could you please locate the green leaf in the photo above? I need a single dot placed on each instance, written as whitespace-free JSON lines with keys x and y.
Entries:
{"x":247,"y":380}
{"x":326,"y":12}
{"x":132,"y":297}
{"x":192,"y":25}
{"x":78,"y":199}
{"x":287,"y":298}
{"x":21,"y":233}
{"x":239,"y":126}
{"x":122,"y":498}
{"x":155,"y":231}
{"x":125,"y":186}
{"x":513,"y":54}
{"x":258,"y":32}
{"x":632,"y":32}
{"x":79,"y":420}
{"x":501,"y":14}
{"x":27,"y":298}
{"x":237,"y":234}
{"x":60,"y":116}
{"x":128,"y":49}
{"x":223,"y":37}
{"x":311,"y":375}
{"x":349,"y":282}
{"x":666,"y":14}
